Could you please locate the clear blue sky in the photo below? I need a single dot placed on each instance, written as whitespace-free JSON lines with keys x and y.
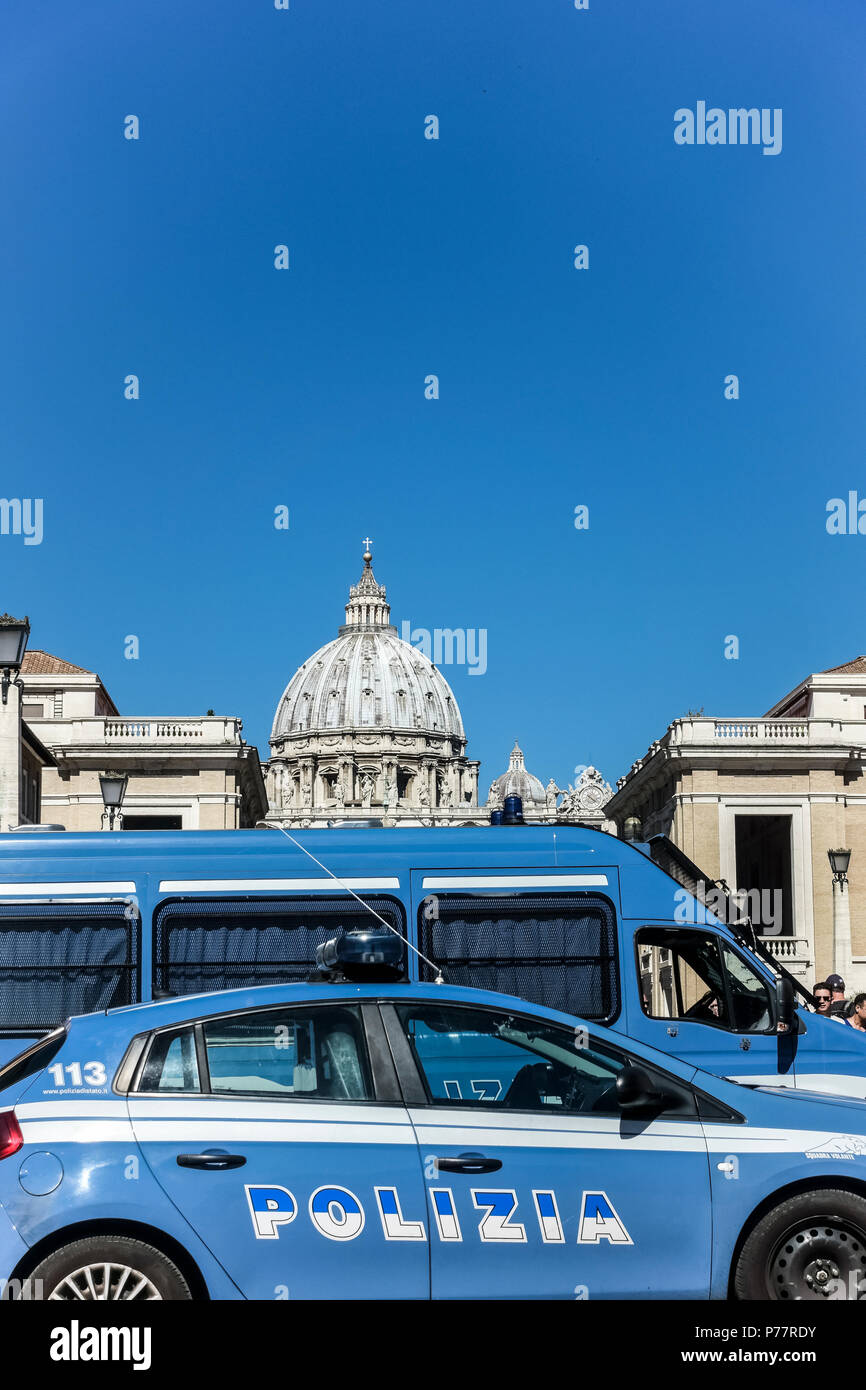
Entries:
{"x":408,"y":257}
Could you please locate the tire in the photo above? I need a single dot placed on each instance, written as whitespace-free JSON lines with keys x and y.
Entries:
{"x":136,"y":1272}
{"x":812,"y":1247}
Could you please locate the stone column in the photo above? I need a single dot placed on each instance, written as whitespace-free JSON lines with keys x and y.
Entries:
{"x":842,"y":963}
{"x":10,"y":758}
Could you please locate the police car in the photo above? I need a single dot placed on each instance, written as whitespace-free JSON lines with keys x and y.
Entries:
{"x":372,"y":1138}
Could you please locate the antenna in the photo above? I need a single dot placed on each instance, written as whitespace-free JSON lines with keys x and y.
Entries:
{"x":269,"y":825}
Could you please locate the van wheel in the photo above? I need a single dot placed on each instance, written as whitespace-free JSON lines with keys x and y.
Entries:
{"x":109,"y":1269}
{"x":811,"y":1247}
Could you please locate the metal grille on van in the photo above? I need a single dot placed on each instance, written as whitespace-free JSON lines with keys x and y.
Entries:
{"x":58,"y":959}
{"x":229,"y":943}
{"x":559,"y":951}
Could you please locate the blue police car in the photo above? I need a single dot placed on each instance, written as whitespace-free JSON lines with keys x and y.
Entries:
{"x":373,"y":1138}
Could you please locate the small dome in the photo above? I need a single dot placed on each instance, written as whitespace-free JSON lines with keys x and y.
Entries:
{"x":368,"y":678}
{"x":518,"y":782}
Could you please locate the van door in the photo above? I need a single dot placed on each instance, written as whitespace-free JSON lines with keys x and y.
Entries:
{"x":702,"y":1000}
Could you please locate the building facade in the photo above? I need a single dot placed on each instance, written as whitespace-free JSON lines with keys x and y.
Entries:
{"x":194,"y":773}
{"x":759,"y":802}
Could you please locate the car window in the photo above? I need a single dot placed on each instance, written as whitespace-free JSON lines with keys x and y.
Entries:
{"x":171,"y":1063}
{"x":312,"y":1053}
{"x":509,"y":1062}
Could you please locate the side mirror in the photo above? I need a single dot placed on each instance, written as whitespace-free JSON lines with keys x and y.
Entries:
{"x":785,"y":1007}
{"x":635,"y":1090}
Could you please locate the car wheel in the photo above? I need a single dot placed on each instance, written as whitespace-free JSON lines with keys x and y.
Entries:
{"x":109,"y":1269}
{"x":811,"y":1247}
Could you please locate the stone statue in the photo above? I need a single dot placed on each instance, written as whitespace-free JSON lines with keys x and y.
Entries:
{"x":493,"y":800}
{"x":444,"y":790}
{"x":307,"y":796}
{"x":340,"y":791}
{"x":551,"y":792}
{"x":423,"y":790}
{"x":366,"y":791}
{"x":391,"y":793}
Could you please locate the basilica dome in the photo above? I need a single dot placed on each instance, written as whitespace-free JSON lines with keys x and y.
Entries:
{"x":518,"y":782}
{"x":368,"y":678}
{"x":368,"y":727}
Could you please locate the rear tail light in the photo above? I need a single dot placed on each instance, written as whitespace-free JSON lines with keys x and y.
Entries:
{"x":11,"y":1138}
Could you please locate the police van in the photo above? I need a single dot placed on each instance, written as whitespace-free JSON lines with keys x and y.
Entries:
{"x":567,"y":918}
{"x":364,"y":1136}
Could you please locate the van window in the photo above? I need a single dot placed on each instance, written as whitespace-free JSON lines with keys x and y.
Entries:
{"x":58,"y":959}
{"x":558,"y":951}
{"x":219,"y":943}
{"x":696,"y":976}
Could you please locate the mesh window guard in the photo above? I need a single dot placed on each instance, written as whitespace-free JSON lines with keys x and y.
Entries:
{"x":219,"y":944}
{"x":58,"y":959}
{"x":559,"y":951}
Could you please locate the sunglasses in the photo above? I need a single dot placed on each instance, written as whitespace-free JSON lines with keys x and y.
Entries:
{"x":823,"y":998}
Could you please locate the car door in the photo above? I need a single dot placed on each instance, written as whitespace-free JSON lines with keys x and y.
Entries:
{"x":703,"y":1001}
{"x":538,"y":1185}
{"x":281,"y":1137}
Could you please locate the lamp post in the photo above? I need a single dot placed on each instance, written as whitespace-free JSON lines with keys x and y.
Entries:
{"x":14,"y":633}
{"x":842,"y":962}
{"x":113,"y":787}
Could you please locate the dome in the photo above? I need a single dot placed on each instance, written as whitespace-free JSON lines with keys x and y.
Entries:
{"x":368,"y":678}
{"x":518,"y":782}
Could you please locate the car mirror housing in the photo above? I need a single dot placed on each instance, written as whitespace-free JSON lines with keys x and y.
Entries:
{"x":785,"y":1004}
{"x":636,"y":1091}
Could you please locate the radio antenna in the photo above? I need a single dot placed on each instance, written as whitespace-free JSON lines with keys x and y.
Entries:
{"x":268,"y":825}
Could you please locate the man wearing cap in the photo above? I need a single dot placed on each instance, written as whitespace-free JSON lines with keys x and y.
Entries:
{"x":838,"y":1003}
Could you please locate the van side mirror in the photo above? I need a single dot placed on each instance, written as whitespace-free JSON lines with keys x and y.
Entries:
{"x":785,"y":1007}
{"x":635,"y":1090}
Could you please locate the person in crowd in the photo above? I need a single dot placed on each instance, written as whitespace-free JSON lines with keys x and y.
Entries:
{"x":857,"y":1016}
{"x":838,"y":1002}
{"x":823,"y":997}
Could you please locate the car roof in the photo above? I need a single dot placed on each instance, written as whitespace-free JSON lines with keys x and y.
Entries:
{"x":159,"y":1013}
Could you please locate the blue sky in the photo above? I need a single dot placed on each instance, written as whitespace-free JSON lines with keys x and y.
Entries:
{"x":558,"y":387}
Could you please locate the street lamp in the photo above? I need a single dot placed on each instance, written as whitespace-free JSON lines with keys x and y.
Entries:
{"x":14,"y":633}
{"x":113,"y":787}
{"x":839,"y":861}
{"x":842,"y":957}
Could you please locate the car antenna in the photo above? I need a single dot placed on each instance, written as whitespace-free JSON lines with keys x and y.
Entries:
{"x":269,"y":825}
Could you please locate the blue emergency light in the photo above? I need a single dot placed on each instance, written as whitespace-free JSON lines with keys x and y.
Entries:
{"x":365,"y":955}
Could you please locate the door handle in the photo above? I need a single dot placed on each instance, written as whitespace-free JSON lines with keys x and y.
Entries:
{"x":211,"y":1159}
{"x":468,"y":1163}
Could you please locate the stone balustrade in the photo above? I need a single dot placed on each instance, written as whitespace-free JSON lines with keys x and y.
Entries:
{"x":787,"y":948}
{"x":118,"y":732}
{"x":750,"y":735}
